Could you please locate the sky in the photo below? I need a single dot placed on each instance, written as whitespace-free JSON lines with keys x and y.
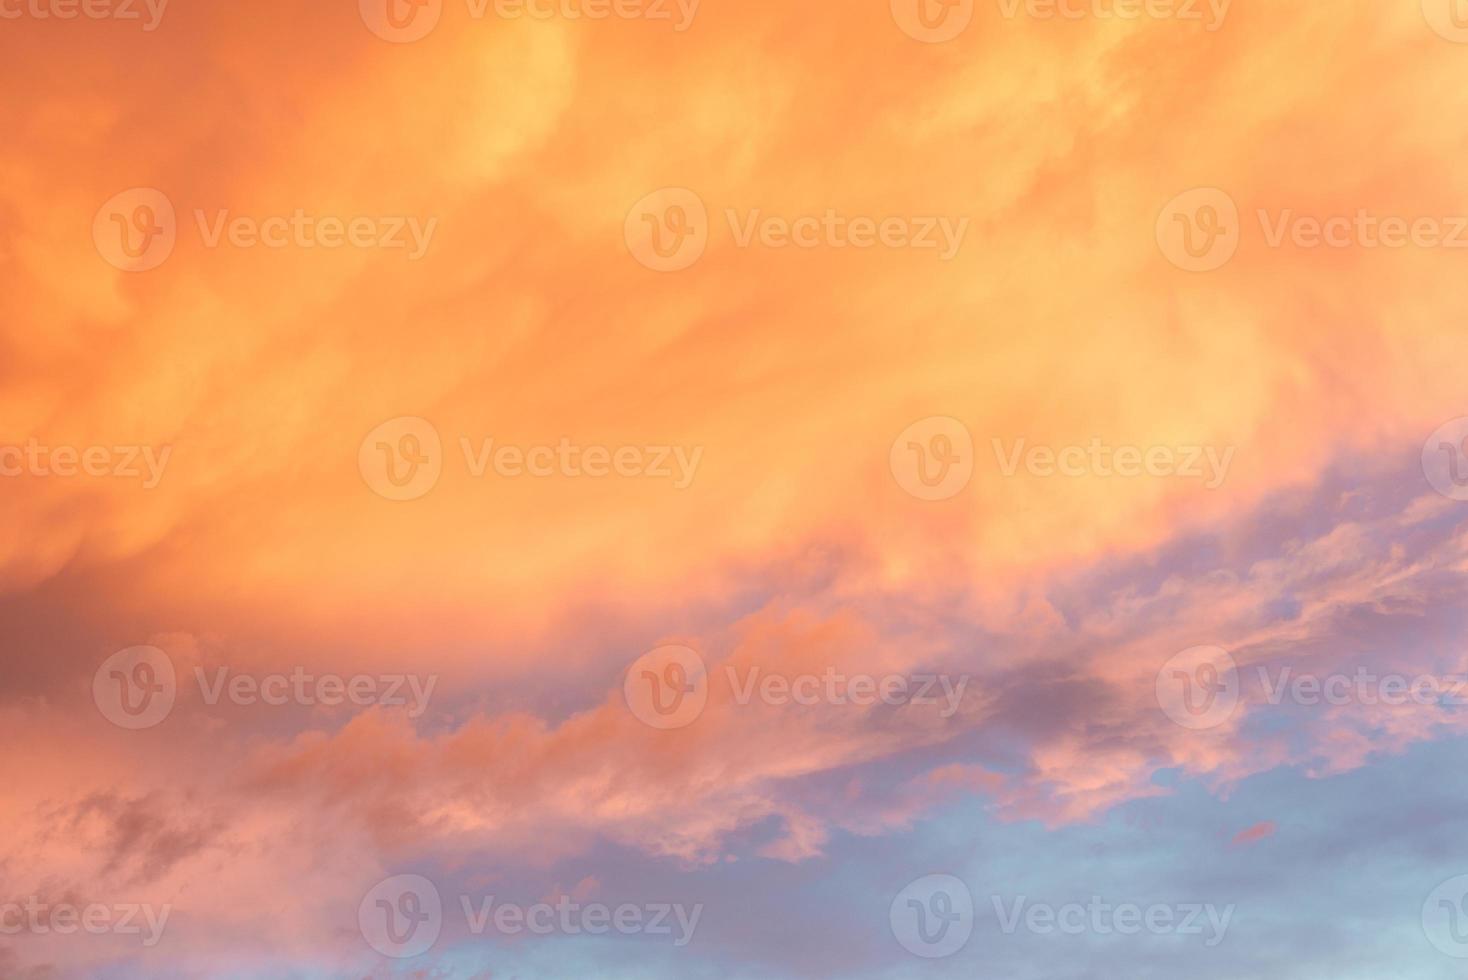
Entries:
{"x":693,"y":489}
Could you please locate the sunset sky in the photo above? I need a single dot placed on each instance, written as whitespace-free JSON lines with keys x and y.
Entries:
{"x":857,"y":483}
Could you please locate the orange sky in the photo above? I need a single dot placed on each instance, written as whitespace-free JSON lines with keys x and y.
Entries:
{"x":519,"y":150}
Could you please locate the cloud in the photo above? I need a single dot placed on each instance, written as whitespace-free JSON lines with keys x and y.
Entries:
{"x":1254,"y":834}
{"x":794,"y":551}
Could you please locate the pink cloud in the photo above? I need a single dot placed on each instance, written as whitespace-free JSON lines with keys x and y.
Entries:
{"x":1254,"y":834}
